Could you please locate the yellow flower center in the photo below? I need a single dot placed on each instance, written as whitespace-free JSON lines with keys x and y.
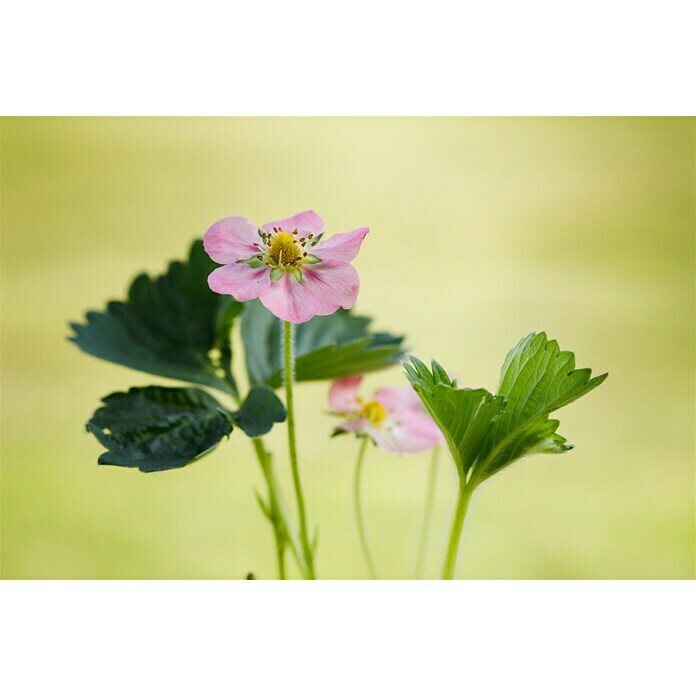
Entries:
{"x":284,"y":250}
{"x":374,"y":412}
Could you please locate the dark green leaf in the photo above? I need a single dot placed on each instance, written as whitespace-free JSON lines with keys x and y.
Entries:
{"x":325,"y":347}
{"x":172,"y":325}
{"x":487,"y":433}
{"x":261,"y":409}
{"x":156,"y":428}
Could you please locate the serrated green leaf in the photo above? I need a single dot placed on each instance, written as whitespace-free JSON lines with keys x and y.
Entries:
{"x":534,"y":437}
{"x":160,"y":428}
{"x":157,"y":428}
{"x":172,"y":325}
{"x":487,"y":433}
{"x":439,"y":373}
{"x":537,"y":378}
{"x":465,"y":416}
{"x":325,"y":347}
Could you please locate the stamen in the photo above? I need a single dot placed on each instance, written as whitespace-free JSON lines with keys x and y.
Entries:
{"x":284,"y":251}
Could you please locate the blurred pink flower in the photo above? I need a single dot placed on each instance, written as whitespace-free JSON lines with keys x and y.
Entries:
{"x":286,"y":264}
{"x":394,"y":418}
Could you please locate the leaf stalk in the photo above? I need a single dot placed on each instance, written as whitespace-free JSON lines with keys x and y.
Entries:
{"x":463,"y":500}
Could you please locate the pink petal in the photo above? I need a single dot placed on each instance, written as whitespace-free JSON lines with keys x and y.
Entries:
{"x":343,"y":246}
{"x":231,"y":239}
{"x":343,"y":394}
{"x":399,"y":399}
{"x":307,"y":222}
{"x":408,"y":436}
{"x":239,"y":280}
{"x":290,"y":300}
{"x":336,"y":283}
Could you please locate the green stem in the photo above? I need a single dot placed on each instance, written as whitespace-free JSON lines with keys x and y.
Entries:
{"x":281,"y":531}
{"x":427,"y":513}
{"x":289,"y":373}
{"x":463,"y":499}
{"x":359,"y":514}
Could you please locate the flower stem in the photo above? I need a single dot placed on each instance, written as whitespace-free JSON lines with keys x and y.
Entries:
{"x":359,"y":514}
{"x":427,"y":513}
{"x":289,"y":373}
{"x":278,"y":516}
{"x":463,"y":499}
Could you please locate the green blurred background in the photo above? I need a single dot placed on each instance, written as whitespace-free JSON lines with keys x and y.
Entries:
{"x":483,"y":230}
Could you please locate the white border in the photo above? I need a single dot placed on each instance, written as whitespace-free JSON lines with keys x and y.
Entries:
{"x":363,"y":57}
{"x":347,"y":638}
{"x":359,"y":58}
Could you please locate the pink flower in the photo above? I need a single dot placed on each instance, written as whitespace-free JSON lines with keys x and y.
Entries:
{"x":394,"y":418}
{"x":286,"y":264}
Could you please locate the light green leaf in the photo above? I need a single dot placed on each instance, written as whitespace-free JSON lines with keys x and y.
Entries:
{"x":464,"y":416}
{"x":486,"y":433}
{"x":537,"y":378}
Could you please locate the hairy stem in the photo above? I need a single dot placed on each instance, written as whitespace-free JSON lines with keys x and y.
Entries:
{"x":359,"y":514}
{"x":289,"y":375}
{"x":427,"y":513}
{"x":463,"y":499}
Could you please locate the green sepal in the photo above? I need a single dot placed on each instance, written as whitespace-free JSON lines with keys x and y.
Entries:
{"x":296,"y":274}
{"x":312,"y":258}
{"x":276,"y":274}
{"x":337,"y":432}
